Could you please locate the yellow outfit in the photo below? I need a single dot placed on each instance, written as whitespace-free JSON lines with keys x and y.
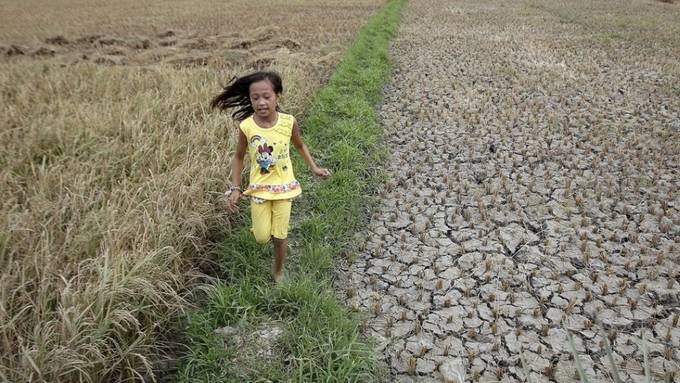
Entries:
{"x":272,"y":182}
{"x":270,"y":219}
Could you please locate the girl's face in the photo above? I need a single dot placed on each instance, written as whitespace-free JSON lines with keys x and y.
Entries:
{"x":263,"y":98}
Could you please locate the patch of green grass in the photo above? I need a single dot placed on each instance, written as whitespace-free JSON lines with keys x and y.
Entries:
{"x":321,"y":340}
{"x":614,"y":35}
{"x":675,"y":90}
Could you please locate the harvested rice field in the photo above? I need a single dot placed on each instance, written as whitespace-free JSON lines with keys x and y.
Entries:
{"x":112,"y":166}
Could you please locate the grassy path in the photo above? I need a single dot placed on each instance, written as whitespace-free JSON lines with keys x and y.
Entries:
{"x":299,"y":331}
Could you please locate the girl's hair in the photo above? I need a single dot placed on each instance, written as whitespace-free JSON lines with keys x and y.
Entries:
{"x":237,"y":94}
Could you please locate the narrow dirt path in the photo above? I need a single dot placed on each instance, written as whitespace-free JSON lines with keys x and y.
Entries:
{"x":532,"y":188}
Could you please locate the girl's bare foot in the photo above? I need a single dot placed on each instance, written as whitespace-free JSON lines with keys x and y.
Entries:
{"x":278,"y":277}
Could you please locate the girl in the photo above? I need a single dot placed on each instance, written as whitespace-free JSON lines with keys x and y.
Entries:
{"x":266,"y":133}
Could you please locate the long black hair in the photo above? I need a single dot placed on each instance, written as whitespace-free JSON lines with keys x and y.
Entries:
{"x":237,"y":93}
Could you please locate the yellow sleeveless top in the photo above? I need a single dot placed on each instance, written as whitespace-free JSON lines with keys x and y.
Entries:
{"x":271,"y":170}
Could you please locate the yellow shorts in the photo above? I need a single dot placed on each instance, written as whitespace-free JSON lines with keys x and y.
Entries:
{"x":270,"y":219}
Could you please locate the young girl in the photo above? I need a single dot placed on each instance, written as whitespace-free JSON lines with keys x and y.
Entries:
{"x":266,"y":134}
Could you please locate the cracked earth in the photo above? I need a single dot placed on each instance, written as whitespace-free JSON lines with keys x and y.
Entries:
{"x":531,"y":193}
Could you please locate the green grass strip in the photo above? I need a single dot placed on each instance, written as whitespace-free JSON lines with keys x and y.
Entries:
{"x":320,"y":340}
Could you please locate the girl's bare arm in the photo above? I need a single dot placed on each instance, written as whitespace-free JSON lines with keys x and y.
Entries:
{"x":236,"y":170}
{"x":304,"y":152}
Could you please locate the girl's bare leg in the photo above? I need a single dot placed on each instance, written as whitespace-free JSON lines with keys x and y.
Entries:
{"x":280,"y":251}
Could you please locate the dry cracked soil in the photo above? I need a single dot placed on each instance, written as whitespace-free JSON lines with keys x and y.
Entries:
{"x":531,"y":192}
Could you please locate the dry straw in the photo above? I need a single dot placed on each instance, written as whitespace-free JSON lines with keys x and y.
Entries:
{"x":107,"y":181}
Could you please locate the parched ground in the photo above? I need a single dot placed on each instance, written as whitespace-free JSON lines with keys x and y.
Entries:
{"x":532,"y":189}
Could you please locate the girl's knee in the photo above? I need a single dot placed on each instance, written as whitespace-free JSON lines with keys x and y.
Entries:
{"x":262,"y":236}
{"x":261,"y":217}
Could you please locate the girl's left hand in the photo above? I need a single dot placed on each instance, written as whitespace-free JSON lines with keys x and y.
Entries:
{"x":321,"y":172}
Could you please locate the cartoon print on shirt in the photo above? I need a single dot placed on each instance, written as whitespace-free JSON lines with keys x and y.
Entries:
{"x":265,"y":154}
{"x":265,"y":158}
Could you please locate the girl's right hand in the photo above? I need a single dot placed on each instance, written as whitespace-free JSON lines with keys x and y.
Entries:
{"x":233,"y":200}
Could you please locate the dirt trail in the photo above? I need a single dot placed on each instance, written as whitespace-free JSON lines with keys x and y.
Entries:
{"x":532,"y":188}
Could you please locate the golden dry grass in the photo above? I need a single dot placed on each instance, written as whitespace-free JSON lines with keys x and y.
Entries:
{"x":111,"y":163}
